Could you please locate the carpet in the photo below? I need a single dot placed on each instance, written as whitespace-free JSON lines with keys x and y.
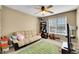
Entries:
{"x":40,"y":47}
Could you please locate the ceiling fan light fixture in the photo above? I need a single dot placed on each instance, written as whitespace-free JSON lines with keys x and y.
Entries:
{"x":43,"y":12}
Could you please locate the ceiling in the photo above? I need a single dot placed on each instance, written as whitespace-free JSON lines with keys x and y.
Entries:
{"x":32,"y":9}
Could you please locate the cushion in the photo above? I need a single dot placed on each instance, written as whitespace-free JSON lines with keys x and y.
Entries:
{"x":20,"y":36}
{"x":26,"y":41}
{"x":15,"y":41}
{"x":22,"y":32}
{"x":14,"y":37}
{"x":26,"y":34}
{"x":4,"y":38}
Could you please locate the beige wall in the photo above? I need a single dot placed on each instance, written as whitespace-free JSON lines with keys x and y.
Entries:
{"x":17,"y":21}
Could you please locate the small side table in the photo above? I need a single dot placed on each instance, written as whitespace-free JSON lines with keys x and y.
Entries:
{"x":64,"y":49}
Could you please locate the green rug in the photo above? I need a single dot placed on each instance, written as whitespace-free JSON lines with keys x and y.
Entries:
{"x":40,"y":47}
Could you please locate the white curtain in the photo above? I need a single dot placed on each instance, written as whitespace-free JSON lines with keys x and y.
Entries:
{"x":57,"y":25}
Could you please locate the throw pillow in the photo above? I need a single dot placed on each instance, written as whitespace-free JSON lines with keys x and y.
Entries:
{"x":20,"y":37}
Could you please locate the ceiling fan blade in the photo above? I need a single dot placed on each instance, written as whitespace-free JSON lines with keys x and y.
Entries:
{"x":37,"y":8}
{"x":50,"y":6}
{"x":37,"y":12}
{"x":50,"y":11}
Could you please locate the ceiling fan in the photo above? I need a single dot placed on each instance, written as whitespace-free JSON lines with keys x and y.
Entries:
{"x":45,"y":9}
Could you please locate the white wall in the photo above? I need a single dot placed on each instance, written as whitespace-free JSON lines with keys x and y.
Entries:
{"x":78,"y":25}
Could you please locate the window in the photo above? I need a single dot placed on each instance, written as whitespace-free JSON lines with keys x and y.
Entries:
{"x":57,"y":25}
